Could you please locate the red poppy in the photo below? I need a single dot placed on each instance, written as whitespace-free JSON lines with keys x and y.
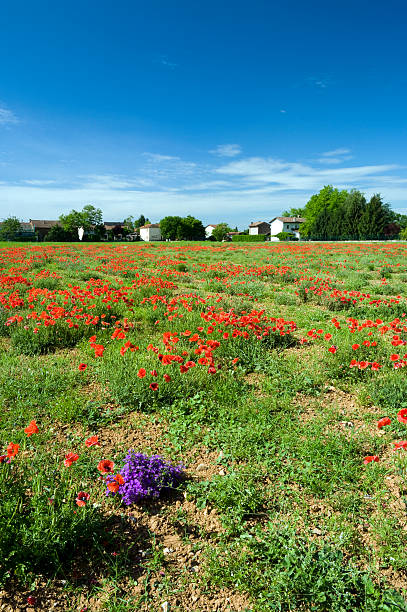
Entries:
{"x":370,"y":458}
{"x":402,"y":415}
{"x":92,"y":441}
{"x":3,"y":458}
{"x":154,"y":386}
{"x":183,"y":368}
{"x":106,"y":466}
{"x":82,"y":498}
{"x":400,"y":444}
{"x":235,"y":360}
{"x":141,"y":373}
{"x":82,"y":367}
{"x":394,"y":357}
{"x":12,"y":450}
{"x":154,"y":373}
{"x":119,"y":478}
{"x":31,"y":429}
{"x":355,"y":346}
{"x":332,"y":349}
{"x":167,"y":377}
{"x":70,"y":458}
{"x":113,"y":487}
{"x":383,"y":422}
{"x":212,"y":370}
{"x":31,"y":600}
{"x":99,"y":349}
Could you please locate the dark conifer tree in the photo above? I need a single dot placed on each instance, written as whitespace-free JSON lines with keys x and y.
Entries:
{"x":353,"y":209}
{"x":374,"y":219}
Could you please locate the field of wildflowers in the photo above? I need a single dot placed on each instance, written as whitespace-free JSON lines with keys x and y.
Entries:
{"x":203,"y":426}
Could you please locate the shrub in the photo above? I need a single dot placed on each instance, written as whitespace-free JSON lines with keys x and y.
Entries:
{"x":249,"y":238}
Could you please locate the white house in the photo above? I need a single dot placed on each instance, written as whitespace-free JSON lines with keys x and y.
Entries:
{"x":259,"y":227}
{"x":150,"y":232}
{"x":291,"y":225}
{"x":208,"y":230}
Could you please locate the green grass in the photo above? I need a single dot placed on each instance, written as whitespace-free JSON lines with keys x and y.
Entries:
{"x":304,"y":525}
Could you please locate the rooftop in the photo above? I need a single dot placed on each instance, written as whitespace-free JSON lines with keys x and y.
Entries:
{"x":290,"y":219}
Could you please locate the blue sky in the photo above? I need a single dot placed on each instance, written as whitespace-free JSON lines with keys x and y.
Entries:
{"x":228,"y":110}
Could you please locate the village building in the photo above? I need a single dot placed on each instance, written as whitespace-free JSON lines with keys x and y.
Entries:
{"x":209,"y":230}
{"x":150,"y":232}
{"x":114,"y":229}
{"x":291,"y":225}
{"x":259,"y":227}
{"x":41,"y":227}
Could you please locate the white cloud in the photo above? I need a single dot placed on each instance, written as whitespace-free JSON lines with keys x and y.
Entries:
{"x":336,"y":152}
{"x":157,"y":157}
{"x":164,"y":61}
{"x":227,"y":150}
{"x":40,"y":182}
{"x":108,"y":181}
{"x":337,"y":156}
{"x":320,"y":82}
{"x":7,"y":117}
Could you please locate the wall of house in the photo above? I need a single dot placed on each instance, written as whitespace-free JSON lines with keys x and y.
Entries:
{"x":148,"y":234}
{"x":253,"y":231}
{"x":276,"y":227}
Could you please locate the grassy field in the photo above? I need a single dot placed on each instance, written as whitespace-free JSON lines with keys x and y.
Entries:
{"x":263,"y":370}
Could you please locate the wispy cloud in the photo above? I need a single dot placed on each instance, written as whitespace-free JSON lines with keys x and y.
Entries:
{"x":282,"y":175}
{"x":159,"y":158}
{"x":337,"y":156}
{"x":108,"y":181}
{"x":7,"y":117}
{"x":164,"y":61}
{"x":336,"y":152}
{"x":320,"y":82}
{"x":40,"y":182}
{"x":227,"y":150}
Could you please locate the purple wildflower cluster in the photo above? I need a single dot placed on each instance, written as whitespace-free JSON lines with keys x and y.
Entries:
{"x":145,"y":477}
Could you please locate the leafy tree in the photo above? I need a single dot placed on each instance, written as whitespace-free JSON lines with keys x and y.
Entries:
{"x":391,"y":230}
{"x":169,"y":227}
{"x":220,"y":231}
{"x":90,"y":218}
{"x":374,"y":219}
{"x":403,"y":234}
{"x":328,"y":199}
{"x":400,"y":219}
{"x":142,"y":220}
{"x":190,"y":229}
{"x":294,"y":212}
{"x":9,"y":228}
{"x":128,"y":225}
{"x":182,"y":228}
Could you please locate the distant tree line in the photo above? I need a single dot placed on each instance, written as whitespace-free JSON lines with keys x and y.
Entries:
{"x":334,"y":214}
